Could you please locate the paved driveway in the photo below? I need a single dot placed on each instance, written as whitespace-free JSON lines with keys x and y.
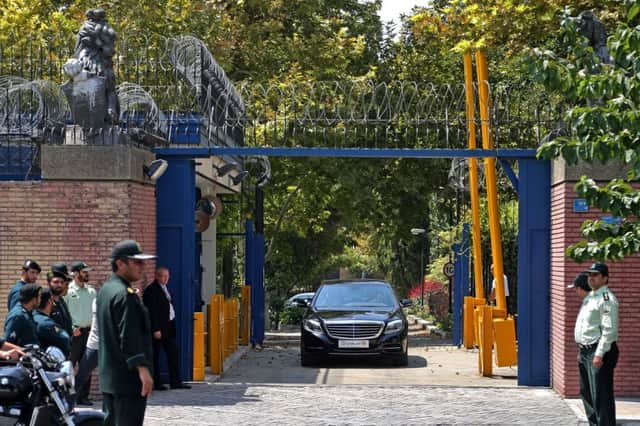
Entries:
{"x":440,"y":386}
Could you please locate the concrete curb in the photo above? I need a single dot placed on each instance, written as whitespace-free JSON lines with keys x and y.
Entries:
{"x":627,"y":411}
{"x":228,"y":363}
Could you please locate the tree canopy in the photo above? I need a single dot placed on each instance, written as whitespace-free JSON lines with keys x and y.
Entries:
{"x":323,"y":214}
{"x":603,"y":124}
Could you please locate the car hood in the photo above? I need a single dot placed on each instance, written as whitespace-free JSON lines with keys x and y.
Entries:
{"x":353,"y":315}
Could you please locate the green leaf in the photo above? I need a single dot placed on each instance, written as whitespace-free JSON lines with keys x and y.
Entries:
{"x":633,"y":11}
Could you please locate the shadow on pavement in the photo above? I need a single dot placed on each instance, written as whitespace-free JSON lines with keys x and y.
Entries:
{"x":369,"y":363}
{"x":204,"y":394}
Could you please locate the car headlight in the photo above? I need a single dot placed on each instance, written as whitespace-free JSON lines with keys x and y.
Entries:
{"x":394,"y":326}
{"x":312,"y":326}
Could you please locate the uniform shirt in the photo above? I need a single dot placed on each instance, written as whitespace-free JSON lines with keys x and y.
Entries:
{"x":125,"y":338}
{"x":79,"y":300}
{"x":50,"y":334}
{"x":14,"y":295}
{"x":19,"y":327}
{"x":597,"y":320}
{"x":60,"y":314}
{"x":93,"y":340}
{"x":506,"y":285}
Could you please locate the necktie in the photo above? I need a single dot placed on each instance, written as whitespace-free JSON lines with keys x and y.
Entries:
{"x":172,"y":313}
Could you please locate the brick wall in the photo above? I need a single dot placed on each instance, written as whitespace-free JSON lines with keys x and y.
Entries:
{"x":565,"y":230}
{"x":51,"y":221}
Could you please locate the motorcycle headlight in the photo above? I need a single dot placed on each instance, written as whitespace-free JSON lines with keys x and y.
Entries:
{"x":394,"y":326}
{"x":55,"y":353}
{"x":313,"y":326}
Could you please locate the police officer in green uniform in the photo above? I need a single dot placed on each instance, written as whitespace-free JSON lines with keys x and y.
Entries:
{"x":596,"y":333}
{"x":49,"y":333}
{"x":19,"y":327}
{"x":125,"y":350}
{"x":58,"y":279}
{"x":30,"y":272}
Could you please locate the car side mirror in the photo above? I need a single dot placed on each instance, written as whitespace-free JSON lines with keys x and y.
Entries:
{"x":302,"y":303}
{"x":406,"y":303}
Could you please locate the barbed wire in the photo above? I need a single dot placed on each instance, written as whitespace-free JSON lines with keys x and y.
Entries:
{"x":174,"y":77}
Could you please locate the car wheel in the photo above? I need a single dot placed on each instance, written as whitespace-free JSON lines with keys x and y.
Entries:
{"x":401,"y":360}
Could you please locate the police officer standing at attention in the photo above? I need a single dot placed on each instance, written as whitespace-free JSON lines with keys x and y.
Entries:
{"x":58,"y":278}
{"x":79,"y":299}
{"x":49,"y":333}
{"x":30,"y":272}
{"x":19,"y":327}
{"x":125,"y":352}
{"x":596,"y":333}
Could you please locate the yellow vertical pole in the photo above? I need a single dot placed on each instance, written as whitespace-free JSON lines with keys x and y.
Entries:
{"x":216,"y":359}
{"x":198,"y":346}
{"x":490,"y":173}
{"x":473,"y":178}
{"x":246,"y":315}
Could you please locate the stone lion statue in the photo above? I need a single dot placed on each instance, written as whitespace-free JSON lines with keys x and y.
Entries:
{"x":93,"y":57}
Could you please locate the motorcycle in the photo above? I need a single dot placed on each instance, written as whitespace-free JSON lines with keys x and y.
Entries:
{"x":39,"y":390}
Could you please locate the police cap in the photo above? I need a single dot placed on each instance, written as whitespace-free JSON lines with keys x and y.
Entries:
{"x":129,"y":249}
{"x":59,"y":269}
{"x":581,"y":281}
{"x":600,"y":268}
{"x":80,"y":266}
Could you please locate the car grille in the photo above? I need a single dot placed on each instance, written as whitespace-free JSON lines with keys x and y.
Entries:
{"x":354,"y":329}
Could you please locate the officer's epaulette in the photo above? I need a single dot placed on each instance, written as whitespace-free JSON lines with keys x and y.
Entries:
{"x":605,"y":295}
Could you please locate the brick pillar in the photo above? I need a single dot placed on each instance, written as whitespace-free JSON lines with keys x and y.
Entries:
{"x":90,"y":198}
{"x":565,"y":230}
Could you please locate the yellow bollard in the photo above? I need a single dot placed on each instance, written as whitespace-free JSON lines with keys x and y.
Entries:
{"x":198,"y":346}
{"x":245,"y":315}
{"x":216,"y":359}
{"x":227,"y":333}
{"x":485,"y":326}
{"x":236,"y":310}
{"x":468,"y":328}
{"x":477,"y":304}
{"x":235,"y":323}
{"x":504,"y":331}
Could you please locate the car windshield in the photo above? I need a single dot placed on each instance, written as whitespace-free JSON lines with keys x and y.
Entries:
{"x":355,"y":296}
{"x":301,"y":296}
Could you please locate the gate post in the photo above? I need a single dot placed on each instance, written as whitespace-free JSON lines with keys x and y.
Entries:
{"x":176,"y":245}
{"x":534,"y":282}
{"x":460,"y":283}
{"x":254,"y":276}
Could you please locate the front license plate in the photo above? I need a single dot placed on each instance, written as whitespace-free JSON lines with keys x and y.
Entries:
{"x":345,"y":344}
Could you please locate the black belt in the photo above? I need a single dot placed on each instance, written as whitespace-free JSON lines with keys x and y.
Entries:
{"x":587,"y":347}
{"x":84,"y":329}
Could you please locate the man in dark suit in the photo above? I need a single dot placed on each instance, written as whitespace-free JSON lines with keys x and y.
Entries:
{"x":157,"y":299}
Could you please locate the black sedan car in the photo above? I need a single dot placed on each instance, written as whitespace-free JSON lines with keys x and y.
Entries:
{"x":354,"y":318}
